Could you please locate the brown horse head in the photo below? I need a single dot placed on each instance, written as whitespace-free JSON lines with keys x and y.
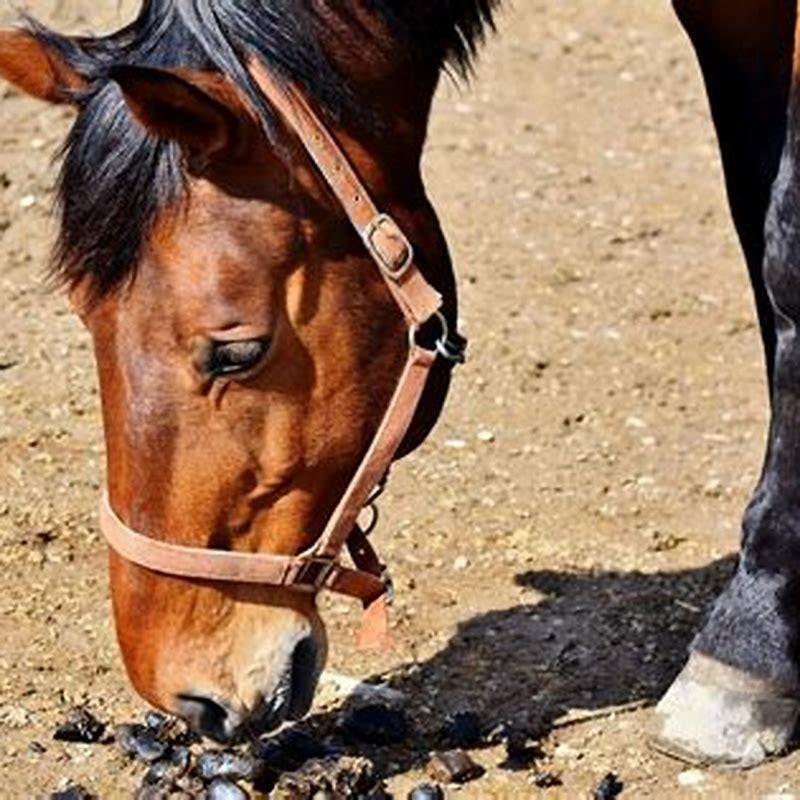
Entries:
{"x":246,"y":347}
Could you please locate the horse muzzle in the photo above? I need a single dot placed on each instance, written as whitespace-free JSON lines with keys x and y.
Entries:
{"x":227,"y":720}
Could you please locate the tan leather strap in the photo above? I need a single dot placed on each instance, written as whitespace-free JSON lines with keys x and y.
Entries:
{"x":379,"y":457}
{"x":197,"y":563}
{"x":306,"y":568}
{"x":382,"y":236}
{"x":363,"y":554}
{"x":319,"y":569}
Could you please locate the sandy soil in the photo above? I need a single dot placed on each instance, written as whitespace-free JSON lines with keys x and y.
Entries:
{"x":556,"y":541}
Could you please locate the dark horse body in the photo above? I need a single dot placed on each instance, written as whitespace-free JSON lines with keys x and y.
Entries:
{"x":246,"y":349}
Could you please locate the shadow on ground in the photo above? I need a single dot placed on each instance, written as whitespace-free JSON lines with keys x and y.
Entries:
{"x":587,"y":640}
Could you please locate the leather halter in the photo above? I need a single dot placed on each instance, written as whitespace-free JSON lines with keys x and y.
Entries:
{"x":320,"y":568}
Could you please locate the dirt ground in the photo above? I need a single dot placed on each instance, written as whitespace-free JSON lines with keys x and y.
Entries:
{"x":556,"y":541}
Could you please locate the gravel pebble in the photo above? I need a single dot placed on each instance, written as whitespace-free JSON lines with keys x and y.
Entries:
{"x":691,"y":777}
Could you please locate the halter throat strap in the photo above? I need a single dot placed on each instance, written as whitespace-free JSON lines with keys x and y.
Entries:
{"x":320,"y":567}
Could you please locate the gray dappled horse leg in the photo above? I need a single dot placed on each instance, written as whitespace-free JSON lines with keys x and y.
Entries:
{"x":736,"y":701}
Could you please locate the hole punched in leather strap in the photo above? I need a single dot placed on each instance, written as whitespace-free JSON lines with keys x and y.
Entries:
{"x":384,"y":239}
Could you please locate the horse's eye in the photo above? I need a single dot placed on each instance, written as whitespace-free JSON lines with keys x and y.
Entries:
{"x":229,"y":358}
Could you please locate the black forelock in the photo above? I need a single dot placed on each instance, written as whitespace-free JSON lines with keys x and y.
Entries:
{"x":115,"y":176}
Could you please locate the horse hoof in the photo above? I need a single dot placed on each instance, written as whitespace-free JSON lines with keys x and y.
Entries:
{"x":716,"y":715}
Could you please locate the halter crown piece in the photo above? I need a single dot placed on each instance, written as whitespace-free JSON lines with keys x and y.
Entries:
{"x":320,"y":567}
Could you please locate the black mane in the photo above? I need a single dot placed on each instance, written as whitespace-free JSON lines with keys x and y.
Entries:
{"x":115,"y":177}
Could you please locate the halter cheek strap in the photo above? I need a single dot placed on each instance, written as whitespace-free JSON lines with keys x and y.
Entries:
{"x":320,"y":567}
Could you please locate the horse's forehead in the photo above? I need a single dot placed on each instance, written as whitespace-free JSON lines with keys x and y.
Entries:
{"x":221,"y":255}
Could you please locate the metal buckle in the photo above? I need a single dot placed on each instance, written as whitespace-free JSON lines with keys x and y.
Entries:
{"x":313,"y":574}
{"x":394,"y":272}
{"x":372,"y":506}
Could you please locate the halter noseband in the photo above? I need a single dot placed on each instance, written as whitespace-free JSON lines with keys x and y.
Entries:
{"x":319,"y":568}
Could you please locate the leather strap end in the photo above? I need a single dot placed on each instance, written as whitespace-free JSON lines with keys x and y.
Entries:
{"x":374,"y":633}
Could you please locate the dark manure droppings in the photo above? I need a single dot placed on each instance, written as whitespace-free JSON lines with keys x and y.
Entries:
{"x":426,"y":791}
{"x":156,"y":721}
{"x":180,"y":758}
{"x":171,"y":768}
{"x":80,"y":726}
{"x":454,"y":766}
{"x":290,"y":749}
{"x":170,"y":729}
{"x":222,"y":789}
{"x":375,"y":724}
{"x":330,"y":777}
{"x":140,"y":742}
{"x":521,"y":753}
{"x":227,"y":765}
{"x":547,"y":780}
{"x":462,"y":729}
{"x":609,"y":788}
{"x":75,"y":792}
{"x":183,"y":789}
{"x":125,"y":737}
{"x":149,"y":748}
{"x":158,"y":773}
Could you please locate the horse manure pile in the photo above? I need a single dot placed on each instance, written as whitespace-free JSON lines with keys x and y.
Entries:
{"x":331,"y":777}
{"x":295,"y":764}
{"x":289,"y":765}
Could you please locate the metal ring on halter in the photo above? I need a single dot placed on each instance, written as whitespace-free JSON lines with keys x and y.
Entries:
{"x":374,"y":519}
{"x":449,"y":350}
{"x":372,"y":505}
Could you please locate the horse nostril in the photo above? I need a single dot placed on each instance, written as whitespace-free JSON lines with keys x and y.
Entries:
{"x":208,"y":717}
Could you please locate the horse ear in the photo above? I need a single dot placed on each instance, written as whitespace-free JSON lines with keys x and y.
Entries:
{"x":37,"y":68}
{"x":201,"y":111}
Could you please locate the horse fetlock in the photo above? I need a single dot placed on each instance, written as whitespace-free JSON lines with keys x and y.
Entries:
{"x":714,"y":714}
